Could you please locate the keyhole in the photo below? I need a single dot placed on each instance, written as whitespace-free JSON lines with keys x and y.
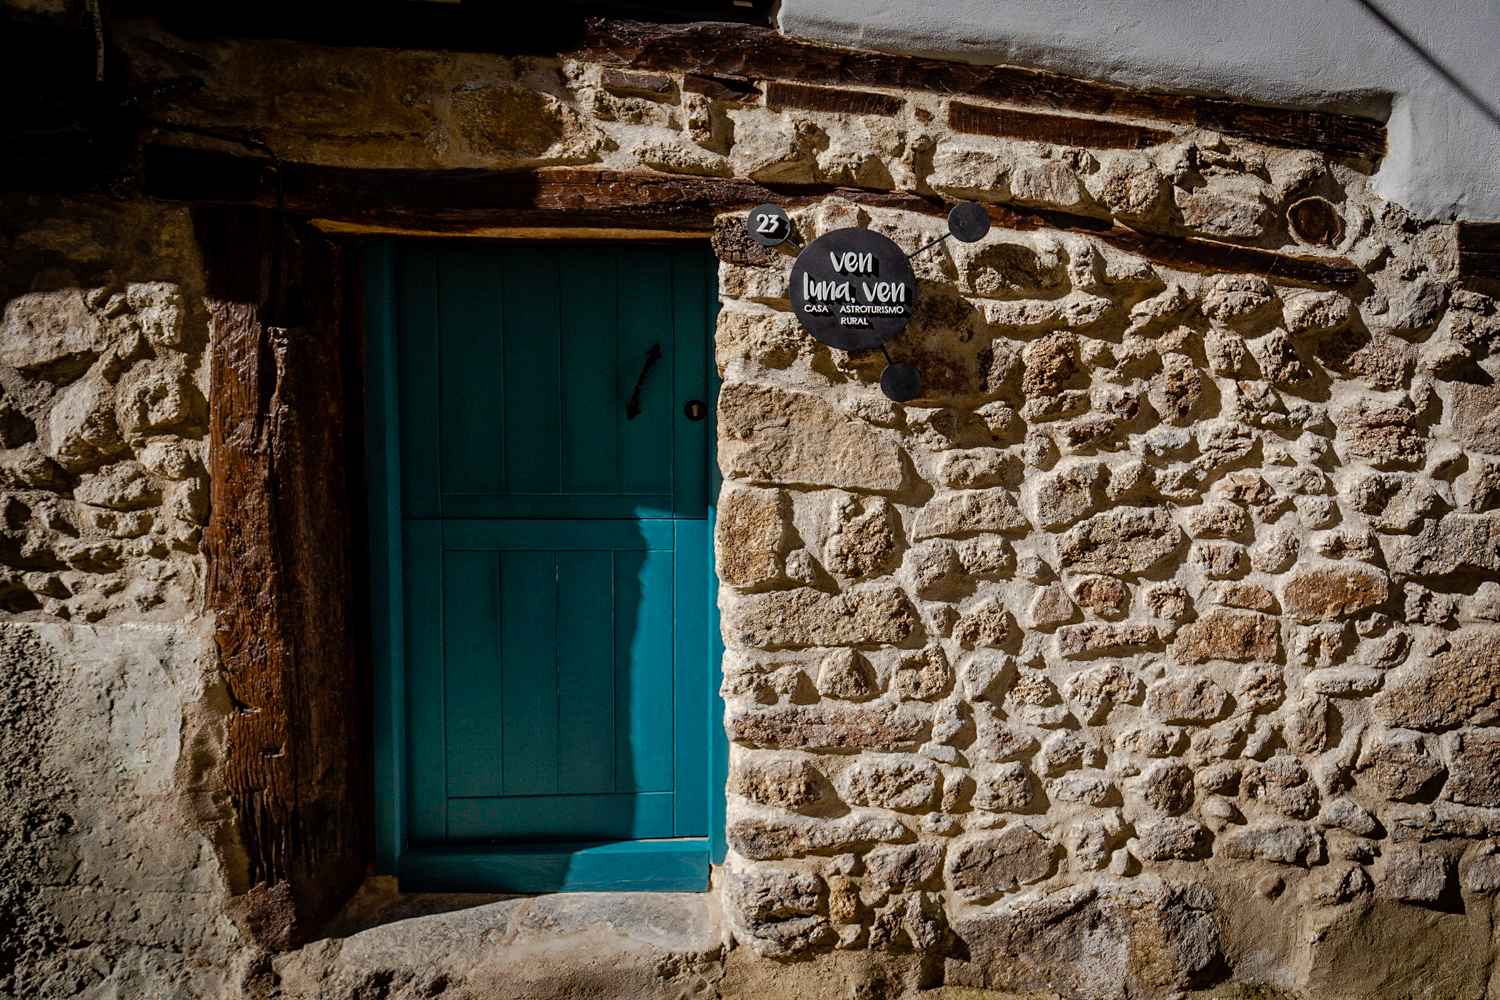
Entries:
{"x":695,"y":409}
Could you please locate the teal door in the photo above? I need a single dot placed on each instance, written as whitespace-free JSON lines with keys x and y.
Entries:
{"x":542,"y":542}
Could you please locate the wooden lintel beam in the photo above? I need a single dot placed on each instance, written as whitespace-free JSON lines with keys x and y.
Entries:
{"x":1479,"y":249}
{"x":472,"y":202}
{"x":762,"y":53}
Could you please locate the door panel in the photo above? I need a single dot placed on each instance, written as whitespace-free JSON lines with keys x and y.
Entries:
{"x":557,"y":585}
{"x":521,"y":390}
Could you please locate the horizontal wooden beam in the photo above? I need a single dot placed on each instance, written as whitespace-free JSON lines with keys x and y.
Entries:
{"x":1479,"y":249}
{"x":852,"y":102}
{"x":761,"y":53}
{"x":1061,"y":130}
{"x":477,"y":202}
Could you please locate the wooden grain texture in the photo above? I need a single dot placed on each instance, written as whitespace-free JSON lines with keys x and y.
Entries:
{"x":1479,"y":249}
{"x":761,"y":53}
{"x":1188,"y":252}
{"x":851,"y":102}
{"x":722,"y":88}
{"x":277,"y":547}
{"x":635,"y":83}
{"x":563,"y":198}
{"x":1062,"y":130}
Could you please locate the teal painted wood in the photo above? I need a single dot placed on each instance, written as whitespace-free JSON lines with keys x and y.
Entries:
{"x":592,"y":403}
{"x":718,"y":779}
{"x":691,"y":612}
{"x":641,"y":866}
{"x":384,"y":463}
{"x":426,"y":759}
{"x":532,"y":435}
{"x":643,"y":670}
{"x":528,"y":589}
{"x":541,"y":818}
{"x":644,"y":318}
{"x":416,"y":308}
{"x":558,"y":635}
{"x":694,"y":307}
{"x":558,"y":535}
{"x":473,"y":684}
{"x":586,"y":671}
{"x":470,"y":347}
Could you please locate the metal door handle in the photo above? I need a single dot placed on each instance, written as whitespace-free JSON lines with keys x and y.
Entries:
{"x":633,"y":408}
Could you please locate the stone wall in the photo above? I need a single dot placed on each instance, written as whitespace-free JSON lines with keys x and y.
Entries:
{"x":1154,"y":647}
{"x":117,"y":852}
{"x":1158,"y":638}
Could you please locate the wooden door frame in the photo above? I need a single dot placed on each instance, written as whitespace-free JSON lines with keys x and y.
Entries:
{"x":639,"y":865}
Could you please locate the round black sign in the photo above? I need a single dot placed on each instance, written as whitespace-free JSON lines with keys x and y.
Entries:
{"x":768,"y":225}
{"x":901,"y":381}
{"x":853,"y":289}
{"x":969,"y":221}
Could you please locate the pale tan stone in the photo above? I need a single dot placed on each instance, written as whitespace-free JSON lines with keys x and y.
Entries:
{"x":805,"y":617}
{"x":826,"y":727}
{"x":1123,"y":541}
{"x":787,"y":783}
{"x":43,"y":328}
{"x":772,"y":436}
{"x":968,"y":512}
{"x":1224,"y":634}
{"x":751,"y":534}
{"x":1321,"y":592}
{"x":1458,"y":686}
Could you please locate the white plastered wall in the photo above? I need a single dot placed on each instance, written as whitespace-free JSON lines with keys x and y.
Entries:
{"x":1332,"y":54}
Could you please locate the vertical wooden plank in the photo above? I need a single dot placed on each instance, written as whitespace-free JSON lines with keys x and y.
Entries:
{"x":471,"y":368}
{"x":473,"y":688}
{"x":691,"y":299}
{"x":693,"y":573}
{"x":528,"y":644}
{"x":645,"y":294}
{"x":643,"y":641}
{"x":533,"y":436}
{"x":591,"y":405}
{"x":384,"y":498}
{"x":586,"y":671}
{"x":278,"y":582}
{"x":426,"y":758}
{"x":416,"y":359}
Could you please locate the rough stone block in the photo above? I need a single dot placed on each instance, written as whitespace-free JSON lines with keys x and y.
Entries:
{"x":1458,"y":686}
{"x":1224,"y":634}
{"x":1123,"y":541}
{"x":1473,"y":768}
{"x":1145,"y":939}
{"x":907,"y":784}
{"x":1411,"y":872}
{"x":768,"y":435}
{"x":1185,"y":698}
{"x":989,"y":865}
{"x":968,"y":512}
{"x":1285,"y":843}
{"x":1321,"y":592}
{"x":795,"y":618}
{"x":43,"y":328}
{"x":766,"y":836}
{"x":826,"y":727}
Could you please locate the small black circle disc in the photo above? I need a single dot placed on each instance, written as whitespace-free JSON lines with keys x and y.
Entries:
{"x":968,"y":221}
{"x":768,"y":225}
{"x":901,"y":381}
